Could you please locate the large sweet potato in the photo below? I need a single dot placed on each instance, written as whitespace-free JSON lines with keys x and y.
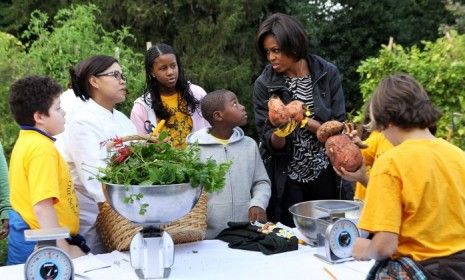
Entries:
{"x":277,"y":113}
{"x":342,"y":152}
{"x":329,"y":129}
{"x":296,"y":110}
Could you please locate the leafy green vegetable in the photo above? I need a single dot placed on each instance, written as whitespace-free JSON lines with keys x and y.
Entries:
{"x":147,"y":163}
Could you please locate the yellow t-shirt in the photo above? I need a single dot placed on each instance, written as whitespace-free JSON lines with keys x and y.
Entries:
{"x":221,"y":141}
{"x":37,"y":172}
{"x":179,"y":125}
{"x":377,"y":145}
{"x":417,"y":190}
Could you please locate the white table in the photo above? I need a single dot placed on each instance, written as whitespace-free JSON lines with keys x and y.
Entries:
{"x":213,"y":259}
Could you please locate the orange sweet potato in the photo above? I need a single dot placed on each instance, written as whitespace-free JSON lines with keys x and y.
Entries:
{"x":342,"y":152}
{"x":329,"y":129}
{"x":296,"y":110}
{"x":277,"y":113}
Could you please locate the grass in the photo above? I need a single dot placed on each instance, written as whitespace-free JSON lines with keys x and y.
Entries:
{"x":2,"y":252}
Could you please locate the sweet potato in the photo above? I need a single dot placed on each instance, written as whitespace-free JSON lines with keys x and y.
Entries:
{"x":342,"y":152}
{"x":277,"y":113}
{"x":329,"y":129}
{"x":296,"y":110}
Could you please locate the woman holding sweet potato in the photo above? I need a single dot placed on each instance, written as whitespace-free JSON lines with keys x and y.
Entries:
{"x":296,"y":162}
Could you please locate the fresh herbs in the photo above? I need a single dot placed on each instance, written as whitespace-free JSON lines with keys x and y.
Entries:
{"x":159,"y":163}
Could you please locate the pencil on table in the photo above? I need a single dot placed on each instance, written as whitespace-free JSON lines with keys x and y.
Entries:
{"x":330,"y":273}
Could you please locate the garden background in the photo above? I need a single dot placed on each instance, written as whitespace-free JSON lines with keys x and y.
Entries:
{"x":366,"y":39}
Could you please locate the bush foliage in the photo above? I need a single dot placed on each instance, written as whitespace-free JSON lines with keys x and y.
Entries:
{"x":75,"y":34}
{"x":11,"y":68}
{"x":439,"y":66}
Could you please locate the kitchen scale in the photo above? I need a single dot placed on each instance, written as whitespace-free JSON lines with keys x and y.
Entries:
{"x":152,"y":249}
{"x":329,"y":225}
{"x":338,"y":241}
{"x":48,"y":262}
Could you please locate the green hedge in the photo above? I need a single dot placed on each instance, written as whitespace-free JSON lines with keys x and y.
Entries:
{"x":73,"y":35}
{"x":439,"y":66}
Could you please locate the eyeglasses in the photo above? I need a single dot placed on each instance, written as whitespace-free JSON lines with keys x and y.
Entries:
{"x":116,"y":74}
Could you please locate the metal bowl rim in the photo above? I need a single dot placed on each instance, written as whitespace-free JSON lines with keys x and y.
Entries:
{"x":312,"y":201}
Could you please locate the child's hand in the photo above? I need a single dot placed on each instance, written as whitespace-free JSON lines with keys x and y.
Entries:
{"x":257,"y":214}
{"x":359,"y":175}
{"x":5,"y":229}
{"x":360,"y":249}
{"x":350,"y":131}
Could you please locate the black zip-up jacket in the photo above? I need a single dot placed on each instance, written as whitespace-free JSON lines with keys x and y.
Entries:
{"x":328,"y":100}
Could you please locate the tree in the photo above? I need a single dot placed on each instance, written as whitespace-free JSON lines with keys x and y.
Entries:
{"x":458,"y":11}
{"x":348,"y":31}
{"x":14,"y":14}
{"x":217,"y":45}
{"x":74,"y":36}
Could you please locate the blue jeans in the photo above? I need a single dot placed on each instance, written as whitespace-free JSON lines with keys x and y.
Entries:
{"x":18,"y":248}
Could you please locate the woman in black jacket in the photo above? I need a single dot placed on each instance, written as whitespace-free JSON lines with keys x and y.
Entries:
{"x":297,"y":163}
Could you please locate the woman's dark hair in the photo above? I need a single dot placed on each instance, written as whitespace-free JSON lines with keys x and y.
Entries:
{"x":82,"y":71}
{"x":30,"y":95}
{"x":152,"y":86}
{"x":401,"y":100}
{"x":289,"y":34}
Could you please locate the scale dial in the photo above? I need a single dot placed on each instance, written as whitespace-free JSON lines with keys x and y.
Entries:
{"x":341,"y":237}
{"x":48,"y":263}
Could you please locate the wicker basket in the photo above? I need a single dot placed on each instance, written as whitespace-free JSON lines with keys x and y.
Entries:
{"x":191,"y":227}
{"x":116,"y":232}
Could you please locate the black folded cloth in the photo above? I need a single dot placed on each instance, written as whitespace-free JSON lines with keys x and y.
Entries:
{"x":79,"y":241}
{"x":243,"y":235}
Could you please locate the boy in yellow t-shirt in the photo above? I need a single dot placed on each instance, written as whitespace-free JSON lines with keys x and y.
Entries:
{"x":42,"y":194}
{"x":415,"y":199}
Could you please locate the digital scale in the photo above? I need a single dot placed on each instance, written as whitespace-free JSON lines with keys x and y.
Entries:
{"x":48,"y":262}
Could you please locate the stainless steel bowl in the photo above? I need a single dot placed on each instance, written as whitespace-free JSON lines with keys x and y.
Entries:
{"x":166,"y":203}
{"x":313,"y":217}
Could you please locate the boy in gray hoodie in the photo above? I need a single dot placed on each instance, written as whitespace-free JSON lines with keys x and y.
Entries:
{"x":247,"y":189}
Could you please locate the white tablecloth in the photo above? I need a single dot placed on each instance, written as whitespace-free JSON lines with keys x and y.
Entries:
{"x":213,"y":259}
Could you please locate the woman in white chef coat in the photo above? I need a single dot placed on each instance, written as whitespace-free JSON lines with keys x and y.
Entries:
{"x":100,"y":83}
